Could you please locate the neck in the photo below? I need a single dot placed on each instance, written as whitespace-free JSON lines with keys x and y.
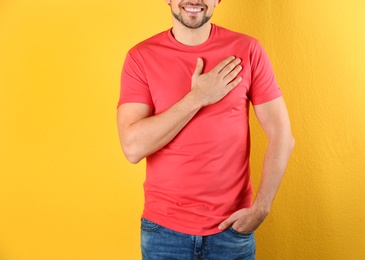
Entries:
{"x":191,"y":37}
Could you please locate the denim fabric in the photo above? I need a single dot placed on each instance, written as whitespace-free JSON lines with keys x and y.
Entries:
{"x":160,"y":243}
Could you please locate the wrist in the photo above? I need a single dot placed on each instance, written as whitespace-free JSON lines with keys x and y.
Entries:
{"x":263,"y":209}
{"x":195,"y":101}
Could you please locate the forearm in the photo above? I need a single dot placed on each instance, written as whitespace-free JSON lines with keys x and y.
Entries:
{"x":274,"y":119}
{"x":150,"y":134}
{"x":274,"y":165}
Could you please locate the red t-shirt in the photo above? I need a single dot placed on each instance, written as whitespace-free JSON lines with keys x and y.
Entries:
{"x":202,"y":176}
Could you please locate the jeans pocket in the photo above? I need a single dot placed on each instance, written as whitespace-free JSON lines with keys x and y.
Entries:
{"x":147,"y":225}
{"x":240,"y":234}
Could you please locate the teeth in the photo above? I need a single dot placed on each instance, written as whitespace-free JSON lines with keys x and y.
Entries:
{"x":193,"y":10}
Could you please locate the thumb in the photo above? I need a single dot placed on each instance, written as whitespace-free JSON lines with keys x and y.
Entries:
{"x":199,"y":67}
{"x":228,"y":222}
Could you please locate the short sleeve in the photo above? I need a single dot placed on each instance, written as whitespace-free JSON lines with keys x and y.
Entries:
{"x":134,"y":85}
{"x":264,"y":86}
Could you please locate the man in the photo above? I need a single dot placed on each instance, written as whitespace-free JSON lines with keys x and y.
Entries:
{"x":184,"y":103}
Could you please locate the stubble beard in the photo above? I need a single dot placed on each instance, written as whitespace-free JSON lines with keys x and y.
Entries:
{"x":194,"y":24}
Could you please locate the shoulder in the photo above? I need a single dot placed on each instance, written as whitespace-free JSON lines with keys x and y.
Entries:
{"x":151,"y":42}
{"x":238,"y":40}
{"x":225,"y":33}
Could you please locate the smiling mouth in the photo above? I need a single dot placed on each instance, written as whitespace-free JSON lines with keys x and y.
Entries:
{"x":193,"y":9}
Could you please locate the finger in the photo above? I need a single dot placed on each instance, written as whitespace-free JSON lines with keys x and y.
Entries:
{"x":233,"y":74}
{"x":234,"y":83}
{"x":228,"y":222}
{"x":224,"y":63}
{"x":231,"y":67}
{"x":199,"y":67}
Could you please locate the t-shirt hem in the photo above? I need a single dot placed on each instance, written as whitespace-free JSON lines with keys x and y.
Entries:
{"x":186,"y":231}
{"x":267,"y":98}
{"x":140,"y":101}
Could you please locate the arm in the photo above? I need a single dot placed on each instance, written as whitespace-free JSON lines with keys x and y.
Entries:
{"x":142,"y":134}
{"x":274,"y":119}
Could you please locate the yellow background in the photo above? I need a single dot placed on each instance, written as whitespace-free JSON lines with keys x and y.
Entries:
{"x":66,"y":191}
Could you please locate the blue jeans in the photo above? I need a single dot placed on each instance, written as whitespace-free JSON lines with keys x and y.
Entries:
{"x":160,"y":243}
